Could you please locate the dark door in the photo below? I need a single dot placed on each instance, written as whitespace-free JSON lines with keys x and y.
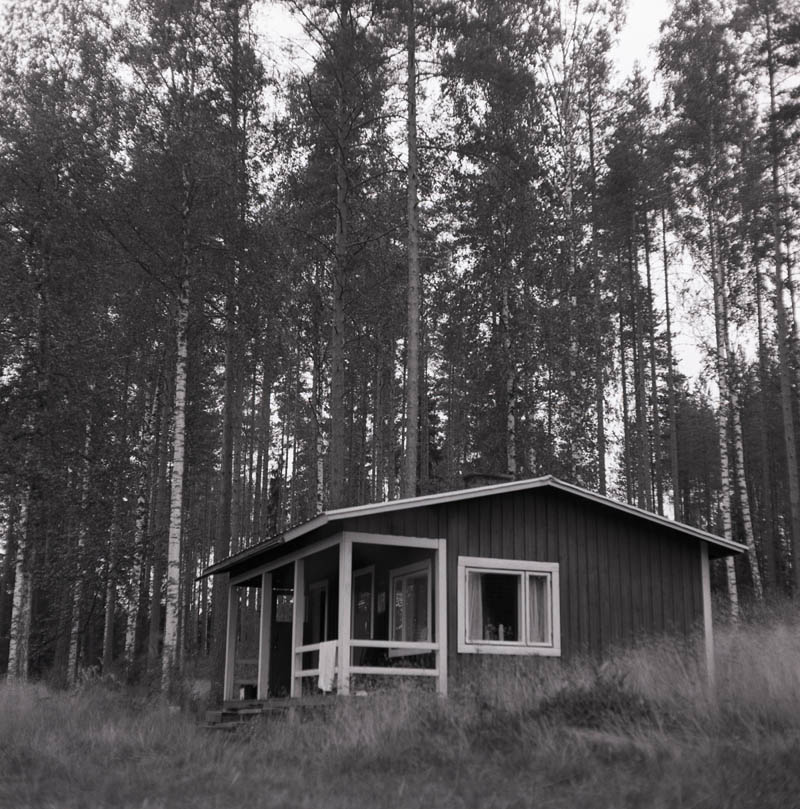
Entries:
{"x":280,"y":658}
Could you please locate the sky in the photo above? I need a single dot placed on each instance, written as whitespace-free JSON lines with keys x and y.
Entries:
{"x":640,"y":34}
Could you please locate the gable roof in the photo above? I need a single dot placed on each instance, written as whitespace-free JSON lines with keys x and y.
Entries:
{"x":724,"y":547}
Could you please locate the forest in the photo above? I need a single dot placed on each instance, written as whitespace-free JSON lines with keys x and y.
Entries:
{"x":245,"y":279}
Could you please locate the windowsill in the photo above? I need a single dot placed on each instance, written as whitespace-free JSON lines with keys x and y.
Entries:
{"x":508,"y":649}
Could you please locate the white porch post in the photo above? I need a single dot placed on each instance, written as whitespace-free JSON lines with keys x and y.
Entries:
{"x":441,"y":615}
{"x":298,"y":619}
{"x":230,"y":641}
{"x":345,"y":609}
{"x":264,"y":636}
{"x":708,"y":624}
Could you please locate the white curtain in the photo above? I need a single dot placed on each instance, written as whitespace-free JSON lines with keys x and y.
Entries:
{"x":475,"y":595}
{"x":537,"y":608}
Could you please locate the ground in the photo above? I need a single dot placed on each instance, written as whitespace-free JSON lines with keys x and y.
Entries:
{"x":642,"y":731}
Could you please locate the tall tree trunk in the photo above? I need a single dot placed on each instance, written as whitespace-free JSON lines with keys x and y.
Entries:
{"x":412,"y":343}
{"x":158,"y":526}
{"x":510,"y":389}
{"x":337,"y":482}
{"x":148,"y":473}
{"x":744,"y":497}
{"x":77,"y":590}
{"x":7,"y":575}
{"x":19,"y":636}
{"x":671,"y":404}
{"x":222,"y":540}
{"x":172,"y":600}
{"x":424,"y":415}
{"x":644,"y":493}
{"x":718,"y":278}
{"x":768,"y":542}
{"x":656,"y":450}
{"x":597,"y":303}
{"x":110,"y":604}
{"x":626,"y":440}
{"x":793,"y":477}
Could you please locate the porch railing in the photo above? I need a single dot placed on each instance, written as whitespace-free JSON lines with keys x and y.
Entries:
{"x":389,"y":671}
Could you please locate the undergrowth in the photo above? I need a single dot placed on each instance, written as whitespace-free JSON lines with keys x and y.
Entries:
{"x":644,"y":730}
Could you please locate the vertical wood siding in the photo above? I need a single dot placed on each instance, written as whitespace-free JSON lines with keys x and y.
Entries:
{"x":621,"y":577}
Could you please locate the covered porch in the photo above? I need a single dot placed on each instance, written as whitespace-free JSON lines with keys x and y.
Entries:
{"x":340,"y":614}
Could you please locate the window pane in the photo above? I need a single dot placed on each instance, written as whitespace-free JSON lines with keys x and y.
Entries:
{"x":538,"y":618}
{"x":474,"y":607}
{"x":362,"y":606}
{"x":417,"y":600}
{"x":494,"y":606}
{"x":397,"y":606}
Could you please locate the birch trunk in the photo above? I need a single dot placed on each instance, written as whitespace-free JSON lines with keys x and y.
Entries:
{"x":172,"y":600}
{"x":718,"y":279}
{"x":77,"y":591}
{"x":744,"y":497}
{"x":135,"y":592}
{"x":412,"y":345}
{"x":19,"y":639}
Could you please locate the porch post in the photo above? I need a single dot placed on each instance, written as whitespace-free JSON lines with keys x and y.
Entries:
{"x":298,"y":619}
{"x":708,"y":624}
{"x":441,"y":615}
{"x":230,"y":642}
{"x":264,"y":636}
{"x":345,"y":609}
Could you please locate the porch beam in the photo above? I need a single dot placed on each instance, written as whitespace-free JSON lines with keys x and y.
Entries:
{"x":345,"y":611}
{"x":264,"y":638}
{"x":230,"y":642}
{"x":391,"y":539}
{"x":441,"y":615}
{"x":298,"y":619}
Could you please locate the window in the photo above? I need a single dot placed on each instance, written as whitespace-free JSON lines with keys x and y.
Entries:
{"x":410,"y":604}
{"x":508,"y":607}
{"x":316,"y":616}
{"x":363,"y":598}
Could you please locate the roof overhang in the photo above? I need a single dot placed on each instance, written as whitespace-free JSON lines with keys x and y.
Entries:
{"x":719,"y":545}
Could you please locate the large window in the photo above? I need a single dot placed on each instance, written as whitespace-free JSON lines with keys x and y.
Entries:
{"x":410,"y":616}
{"x":508,"y":607}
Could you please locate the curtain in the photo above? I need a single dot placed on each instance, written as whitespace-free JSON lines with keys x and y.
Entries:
{"x":537,"y":607}
{"x":475,"y":597}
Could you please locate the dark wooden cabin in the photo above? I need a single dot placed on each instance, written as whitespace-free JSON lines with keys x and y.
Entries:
{"x":413,"y":587}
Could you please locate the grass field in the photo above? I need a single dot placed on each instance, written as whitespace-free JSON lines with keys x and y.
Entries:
{"x":641,"y":732}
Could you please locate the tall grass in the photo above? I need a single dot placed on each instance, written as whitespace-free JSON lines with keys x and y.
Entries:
{"x":643,"y":730}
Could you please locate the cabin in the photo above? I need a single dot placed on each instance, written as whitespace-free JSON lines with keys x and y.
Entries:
{"x":422,"y":587}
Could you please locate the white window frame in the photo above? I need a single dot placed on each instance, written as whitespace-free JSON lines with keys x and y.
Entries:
{"x":401,"y":573}
{"x":523,"y":569}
